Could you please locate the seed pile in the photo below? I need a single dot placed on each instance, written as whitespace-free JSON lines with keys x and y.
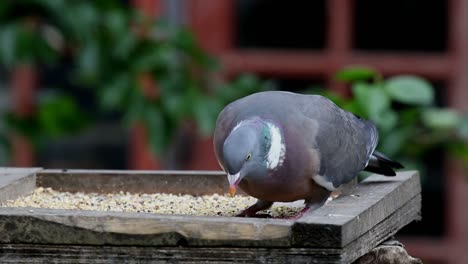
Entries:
{"x":209,"y":205}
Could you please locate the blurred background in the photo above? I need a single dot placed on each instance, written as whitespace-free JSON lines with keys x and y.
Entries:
{"x":138,"y":85}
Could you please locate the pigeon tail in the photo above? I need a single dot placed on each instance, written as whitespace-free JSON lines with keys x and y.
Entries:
{"x":381,"y":164}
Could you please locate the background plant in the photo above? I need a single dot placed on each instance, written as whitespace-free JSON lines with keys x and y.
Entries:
{"x":116,"y":53}
{"x":403,"y":108}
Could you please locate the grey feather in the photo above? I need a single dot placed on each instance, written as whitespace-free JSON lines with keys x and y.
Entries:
{"x":321,"y":139}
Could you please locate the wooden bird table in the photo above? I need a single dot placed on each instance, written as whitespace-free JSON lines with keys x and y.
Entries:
{"x":341,"y":231}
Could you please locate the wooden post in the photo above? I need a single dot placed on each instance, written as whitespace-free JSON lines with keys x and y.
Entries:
{"x":339,"y":42}
{"x":457,"y":185}
{"x":141,"y":157}
{"x":23,"y":83}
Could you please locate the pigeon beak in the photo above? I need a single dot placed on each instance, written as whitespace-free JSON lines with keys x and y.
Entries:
{"x":233,"y":182}
{"x":232,"y":190}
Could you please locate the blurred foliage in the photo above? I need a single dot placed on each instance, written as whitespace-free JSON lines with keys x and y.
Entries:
{"x":57,"y":115}
{"x":404,"y":111}
{"x":151,"y":72}
{"x":117,"y":53}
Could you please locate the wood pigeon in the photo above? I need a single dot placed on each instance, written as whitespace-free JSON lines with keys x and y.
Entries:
{"x":282,"y":147}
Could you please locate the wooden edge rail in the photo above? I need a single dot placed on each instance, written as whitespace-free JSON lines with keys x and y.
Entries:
{"x":351,"y":215}
{"x":55,"y":226}
{"x":338,"y":224}
{"x":175,"y":248}
{"x":135,"y":181}
{"x":15,"y":182}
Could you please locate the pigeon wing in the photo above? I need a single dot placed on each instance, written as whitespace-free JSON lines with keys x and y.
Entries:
{"x":344,"y":142}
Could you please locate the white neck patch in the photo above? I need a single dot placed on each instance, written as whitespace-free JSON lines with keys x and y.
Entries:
{"x":238,"y":125}
{"x":277,"y":151}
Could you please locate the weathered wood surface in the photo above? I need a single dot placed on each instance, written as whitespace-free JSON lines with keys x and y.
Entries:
{"x":348,"y":217}
{"x":339,"y":232}
{"x":23,"y":253}
{"x":15,"y":182}
{"x":31,"y":225}
{"x":382,"y":231}
{"x":336,"y":224}
{"x":113,"y":181}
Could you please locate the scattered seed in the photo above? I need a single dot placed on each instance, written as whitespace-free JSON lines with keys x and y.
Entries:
{"x":158,"y":203}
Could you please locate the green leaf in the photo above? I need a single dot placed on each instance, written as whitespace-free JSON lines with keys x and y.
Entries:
{"x":154,"y":123}
{"x":185,"y":42}
{"x":86,"y":14}
{"x":371,"y":99}
{"x":460,"y":150}
{"x":243,"y":85}
{"x":125,"y":46}
{"x":206,"y":112}
{"x":392,"y":142}
{"x":25,"y":126}
{"x":59,"y":115}
{"x":27,"y":44}
{"x":174,"y":106}
{"x":410,"y":116}
{"x":463,"y":128}
{"x":115,"y":93}
{"x":386,"y":120}
{"x":136,"y":108}
{"x":410,"y":90}
{"x":335,"y":98}
{"x":89,"y":61}
{"x":353,"y":107}
{"x":355,"y":73}
{"x":440,"y":118}
{"x":160,"y":57}
{"x":116,"y":22}
{"x":8,"y":44}
{"x":44,"y":52}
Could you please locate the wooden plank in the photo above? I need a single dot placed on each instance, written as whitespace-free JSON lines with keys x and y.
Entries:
{"x":312,"y":64}
{"x":277,"y":63}
{"x":350,"y":216}
{"x":53,"y":226}
{"x":15,"y":182}
{"x":410,"y":212}
{"x":15,"y":253}
{"x":432,"y":65}
{"x":214,"y":32}
{"x":23,"y":253}
{"x":113,"y":181}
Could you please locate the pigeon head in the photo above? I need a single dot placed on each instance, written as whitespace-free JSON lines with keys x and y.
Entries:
{"x":251,"y":150}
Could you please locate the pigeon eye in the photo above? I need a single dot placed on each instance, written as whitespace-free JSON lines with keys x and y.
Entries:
{"x":248,"y":156}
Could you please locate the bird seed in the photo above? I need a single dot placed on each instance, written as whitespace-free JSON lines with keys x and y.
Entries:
{"x":157,"y":203}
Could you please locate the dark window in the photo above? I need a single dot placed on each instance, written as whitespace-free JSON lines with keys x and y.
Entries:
{"x":401,"y":25}
{"x":278,"y":24}
{"x":298,"y":85}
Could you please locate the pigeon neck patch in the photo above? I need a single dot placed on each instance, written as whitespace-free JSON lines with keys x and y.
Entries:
{"x":277,"y":150}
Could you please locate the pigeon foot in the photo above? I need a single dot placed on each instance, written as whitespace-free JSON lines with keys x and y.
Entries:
{"x":258,"y":206}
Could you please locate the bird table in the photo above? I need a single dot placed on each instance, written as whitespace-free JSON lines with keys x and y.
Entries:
{"x":341,"y":231}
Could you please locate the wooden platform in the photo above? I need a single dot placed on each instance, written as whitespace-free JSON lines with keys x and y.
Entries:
{"x":339,"y":232}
